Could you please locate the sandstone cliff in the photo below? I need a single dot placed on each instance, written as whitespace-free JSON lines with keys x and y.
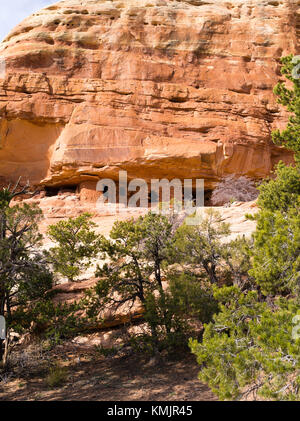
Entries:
{"x":178,"y":88}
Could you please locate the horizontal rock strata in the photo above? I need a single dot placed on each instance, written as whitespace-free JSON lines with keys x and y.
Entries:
{"x":158,"y":88}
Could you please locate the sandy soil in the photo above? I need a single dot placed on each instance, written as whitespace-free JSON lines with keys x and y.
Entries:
{"x":93,"y":377}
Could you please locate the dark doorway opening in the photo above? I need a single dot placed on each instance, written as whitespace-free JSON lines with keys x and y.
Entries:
{"x":55,"y":190}
{"x":51,"y":191}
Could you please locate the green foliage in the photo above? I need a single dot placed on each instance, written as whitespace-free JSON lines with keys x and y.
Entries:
{"x":172,"y":318}
{"x":19,"y":223}
{"x":168,"y":327}
{"x":141,"y":344}
{"x":276,"y":252}
{"x":237,"y":263}
{"x":199,"y":245}
{"x":57,"y":322}
{"x":283,"y":192}
{"x":5,"y":198}
{"x":52,"y":321}
{"x":137,"y":251}
{"x":193,"y":297}
{"x":276,"y":248}
{"x":24,"y":274}
{"x":289,"y":97}
{"x":249,"y":348}
{"x":36,"y":284}
{"x":57,"y":376}
{"x":77,"y":245}
{"x":106,"y":352}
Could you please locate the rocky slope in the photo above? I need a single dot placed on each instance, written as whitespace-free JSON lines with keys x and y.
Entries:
{"x":178,"y":88}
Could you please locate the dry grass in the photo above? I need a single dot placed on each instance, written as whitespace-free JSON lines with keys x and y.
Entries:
{"x":57,"y":377}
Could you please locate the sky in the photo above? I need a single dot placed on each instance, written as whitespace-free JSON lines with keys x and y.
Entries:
{"x":13,"y":12}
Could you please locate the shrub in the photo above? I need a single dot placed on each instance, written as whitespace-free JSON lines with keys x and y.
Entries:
{"x":54,"y":322}
{"x":24,"y":273}
{"x":171,"y":320}
{"x":105,"y":352}
{"x":276,"y":252}
{"x":167,"y":324}
{"x":237,"y":262}
{"x":289,"y":97}
{"x":57,"y":376}
{"x":193,"y":297}
{"x":77,"y":244}
{"x":283,"y":192}
{"x":138,"y":252}
{"x":63,"y":320}
{"x":276,"y":249}
{"x":249,"y":348}
{"x":200,"y":246}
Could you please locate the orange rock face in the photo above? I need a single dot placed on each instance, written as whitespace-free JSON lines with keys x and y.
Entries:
{"x":177,"y":88}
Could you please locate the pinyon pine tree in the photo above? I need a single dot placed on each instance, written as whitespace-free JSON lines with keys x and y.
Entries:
{"x":249,"y":349}
{"x":290,"y":98}
{"x":252,"y":346}
{"x":77,"y":245}
{"x":24,"y":275}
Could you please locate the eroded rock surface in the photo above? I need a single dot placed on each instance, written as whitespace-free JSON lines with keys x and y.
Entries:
{"x":177,"y":88}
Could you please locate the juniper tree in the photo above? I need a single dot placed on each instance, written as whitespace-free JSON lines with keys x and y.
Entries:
{"x":249,"y":348}
{"x":200,"y":245}
{"x":290,"y":98}
{"x":138,"y":253}
{"x":282,"y":192}
{"x":24,"y":275}
{"x":237,"y":262}
{"x":276,"y":261}
{"x":276,"y":252}
{"x":77,"y":245}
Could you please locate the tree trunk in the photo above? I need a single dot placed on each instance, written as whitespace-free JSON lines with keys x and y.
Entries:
{"x":162,"y":295}
{"x":211,"y":272}
{"x":2,"y":341}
